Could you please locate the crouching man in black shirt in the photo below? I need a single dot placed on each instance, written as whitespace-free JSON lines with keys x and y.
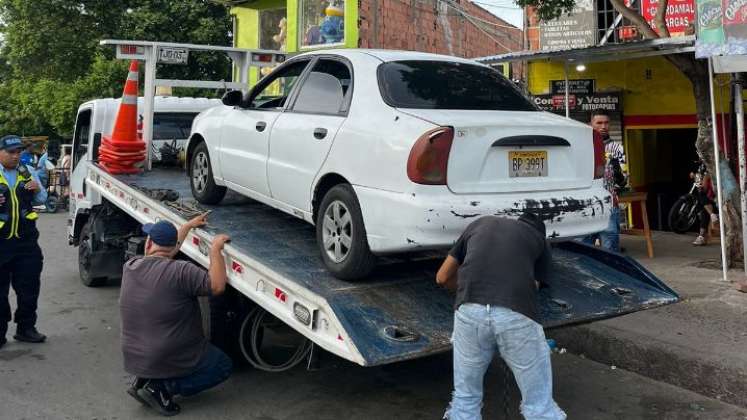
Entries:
{"x":495,"y":267}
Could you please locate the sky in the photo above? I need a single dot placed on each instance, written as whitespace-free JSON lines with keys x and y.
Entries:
{"x":504,"y":9}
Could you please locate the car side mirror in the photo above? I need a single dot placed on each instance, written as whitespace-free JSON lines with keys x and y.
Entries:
{"x":233,"y":98}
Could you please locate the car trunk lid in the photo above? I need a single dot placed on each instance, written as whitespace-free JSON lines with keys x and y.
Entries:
{"x":514,"y":151}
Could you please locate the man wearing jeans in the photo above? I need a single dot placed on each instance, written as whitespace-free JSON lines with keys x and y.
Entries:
{"x":614,"y":181}
{"x":496,"y":267}
{"x":162,"y":340}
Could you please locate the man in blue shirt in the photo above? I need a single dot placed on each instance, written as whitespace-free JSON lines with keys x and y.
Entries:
{"x":20,"y":256}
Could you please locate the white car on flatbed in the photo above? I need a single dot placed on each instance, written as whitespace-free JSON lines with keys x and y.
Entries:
{"x":391,"y":151}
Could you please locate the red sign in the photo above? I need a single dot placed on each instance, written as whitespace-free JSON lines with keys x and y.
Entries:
{"x":558,"y":101}
{"x":680,"y":13}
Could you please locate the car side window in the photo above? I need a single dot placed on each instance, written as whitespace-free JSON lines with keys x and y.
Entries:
{"x":326,"y":89}
{"x":273,"y":93}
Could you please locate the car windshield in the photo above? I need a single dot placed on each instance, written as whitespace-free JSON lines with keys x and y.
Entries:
{"x":448,"y":85}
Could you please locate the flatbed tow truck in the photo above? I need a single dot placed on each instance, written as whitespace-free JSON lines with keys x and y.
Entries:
{"x":398,"y":313}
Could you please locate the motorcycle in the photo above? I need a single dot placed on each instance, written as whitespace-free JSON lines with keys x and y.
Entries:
{"x":685,"y":212}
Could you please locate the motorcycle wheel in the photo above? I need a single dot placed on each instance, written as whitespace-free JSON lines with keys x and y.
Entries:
{"x":682,"y":215}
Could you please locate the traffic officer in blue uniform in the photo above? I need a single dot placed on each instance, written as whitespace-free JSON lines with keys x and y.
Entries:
{"x":20,"y":256}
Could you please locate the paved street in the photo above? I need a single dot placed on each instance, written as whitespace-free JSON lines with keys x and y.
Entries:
{"x":78,"y":374}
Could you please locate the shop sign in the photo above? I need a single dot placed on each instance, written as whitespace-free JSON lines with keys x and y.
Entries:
{"x":575,"y":87}
{"x":575,"y":30}
{"x":609,"y":102}
{"x":680,"y":14}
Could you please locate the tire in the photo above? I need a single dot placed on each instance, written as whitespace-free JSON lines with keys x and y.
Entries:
{"x":339,"y":222}
{"x":53,"y":203}
{"x":201,"y":179}
{"x":84,"y":259}
{"x":681,"y":216}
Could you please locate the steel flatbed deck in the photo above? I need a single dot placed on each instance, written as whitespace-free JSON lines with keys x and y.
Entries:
{"x":398,"y":313}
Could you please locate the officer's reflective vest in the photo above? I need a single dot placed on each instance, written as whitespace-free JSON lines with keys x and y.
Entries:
{"x":17,"y":215}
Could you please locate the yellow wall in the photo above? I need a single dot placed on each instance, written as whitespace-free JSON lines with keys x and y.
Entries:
{"x":667,"y":92}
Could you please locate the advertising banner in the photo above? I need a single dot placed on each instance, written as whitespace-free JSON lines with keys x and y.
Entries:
{"x":575,"y":86}
{"x":576,"y":30}
{"x":680,"y":14}
{"x":610,"y":102}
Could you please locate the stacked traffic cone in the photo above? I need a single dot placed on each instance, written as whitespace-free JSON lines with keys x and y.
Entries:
{"x":123,"y":150}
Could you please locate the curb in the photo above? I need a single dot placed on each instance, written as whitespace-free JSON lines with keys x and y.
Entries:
{"x":656,"y":361}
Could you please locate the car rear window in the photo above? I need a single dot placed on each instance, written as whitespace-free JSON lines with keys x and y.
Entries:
{"x":448,"y":85}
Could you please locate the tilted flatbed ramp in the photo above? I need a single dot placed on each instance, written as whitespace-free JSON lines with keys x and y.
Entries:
{"x":398,"y":313}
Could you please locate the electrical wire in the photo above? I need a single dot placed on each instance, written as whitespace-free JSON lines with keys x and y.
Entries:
{"x":477,"y":25}
{"x":253,"y":321}
{"x":464,"y":13}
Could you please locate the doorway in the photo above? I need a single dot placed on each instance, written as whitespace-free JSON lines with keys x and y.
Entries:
{"x":660,"y":162}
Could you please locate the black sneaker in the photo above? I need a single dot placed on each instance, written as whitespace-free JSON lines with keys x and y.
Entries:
{"x":29,"y":335}
{"x":132,"y":390}
{"x":154,"y":393}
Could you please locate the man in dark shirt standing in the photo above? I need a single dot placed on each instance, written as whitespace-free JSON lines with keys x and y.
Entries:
{"x":162,"y":339}
{"x":496,"y":267}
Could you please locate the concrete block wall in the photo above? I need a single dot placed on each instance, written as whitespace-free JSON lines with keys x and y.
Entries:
{"x":436,"y":26}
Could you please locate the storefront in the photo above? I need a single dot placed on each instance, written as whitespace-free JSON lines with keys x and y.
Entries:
{"x":456,"y":28}
{"x":650,"y":103}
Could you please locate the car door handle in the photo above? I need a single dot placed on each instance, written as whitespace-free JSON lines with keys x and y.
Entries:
{"x":261,"y":126}
{"x":320,"y":133}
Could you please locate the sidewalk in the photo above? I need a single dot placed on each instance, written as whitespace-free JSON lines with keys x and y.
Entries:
{"x":699,"y":343}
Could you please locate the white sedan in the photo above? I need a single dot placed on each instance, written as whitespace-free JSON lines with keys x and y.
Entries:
{"x":391,"y":151}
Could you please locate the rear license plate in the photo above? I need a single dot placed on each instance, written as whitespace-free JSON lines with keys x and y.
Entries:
{"x":527,"y":164}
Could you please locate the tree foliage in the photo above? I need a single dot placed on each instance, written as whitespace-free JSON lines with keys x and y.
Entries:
{"x":51,"y":60}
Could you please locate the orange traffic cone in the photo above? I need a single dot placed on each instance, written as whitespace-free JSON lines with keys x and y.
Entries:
{"x":123,"y":150}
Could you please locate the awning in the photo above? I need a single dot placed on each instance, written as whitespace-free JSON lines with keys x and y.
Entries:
{"x":609,"y":52}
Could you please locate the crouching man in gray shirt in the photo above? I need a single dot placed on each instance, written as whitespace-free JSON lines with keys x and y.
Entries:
{"x":162,"y":339}
{"x":496,"y":267}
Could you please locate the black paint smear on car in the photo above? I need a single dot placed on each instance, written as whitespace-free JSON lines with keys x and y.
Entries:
{"x":554,"y":210}
{"x":464,"y":216}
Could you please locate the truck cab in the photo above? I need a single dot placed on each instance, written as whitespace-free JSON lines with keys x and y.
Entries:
{"x":172,"y":123}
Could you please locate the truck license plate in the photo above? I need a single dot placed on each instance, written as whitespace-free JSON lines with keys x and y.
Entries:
{"x":527,"y":164}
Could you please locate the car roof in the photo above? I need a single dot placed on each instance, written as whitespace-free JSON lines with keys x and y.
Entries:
{"x":392,"y":55}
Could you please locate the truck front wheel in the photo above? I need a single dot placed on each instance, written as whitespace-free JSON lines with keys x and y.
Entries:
{"x":85,"y":258}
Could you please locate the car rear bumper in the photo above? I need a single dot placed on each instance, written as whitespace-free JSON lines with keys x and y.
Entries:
{"x":398,"y":222}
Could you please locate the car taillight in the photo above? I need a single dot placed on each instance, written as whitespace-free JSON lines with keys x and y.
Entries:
{"x":429,"y":157}
{"x":599,"y":161}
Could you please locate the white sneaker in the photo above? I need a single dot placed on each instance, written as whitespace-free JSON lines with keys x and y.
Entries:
{"x":699,"y":241}
{"x":714,"y":218}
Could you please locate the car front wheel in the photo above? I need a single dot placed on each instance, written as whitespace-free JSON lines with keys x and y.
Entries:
{"x":201,"y":178}
{"x":341,"y":235}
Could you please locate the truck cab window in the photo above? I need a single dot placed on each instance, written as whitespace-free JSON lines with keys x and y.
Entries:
{"x":80,"y":136}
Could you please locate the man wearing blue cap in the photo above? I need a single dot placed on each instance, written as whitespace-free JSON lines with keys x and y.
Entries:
{"x":20,"y":256}
{"x":162,"y":339}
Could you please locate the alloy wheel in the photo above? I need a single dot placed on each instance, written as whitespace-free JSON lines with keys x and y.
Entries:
{"x":337,"y":231}
{"x":200,"y":171}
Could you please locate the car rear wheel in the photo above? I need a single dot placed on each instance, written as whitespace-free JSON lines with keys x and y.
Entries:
{"x":201,"y":178}
{"x":341,"y":235}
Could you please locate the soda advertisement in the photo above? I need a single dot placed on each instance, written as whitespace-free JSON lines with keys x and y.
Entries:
{"x":721,"y":27}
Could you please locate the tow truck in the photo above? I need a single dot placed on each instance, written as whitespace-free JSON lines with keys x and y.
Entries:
{"x":280,"y":294}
